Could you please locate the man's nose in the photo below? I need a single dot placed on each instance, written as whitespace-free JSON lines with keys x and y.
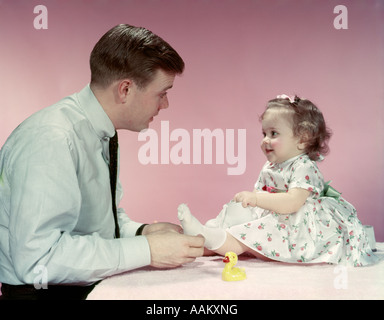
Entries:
{"x":164,"y":104}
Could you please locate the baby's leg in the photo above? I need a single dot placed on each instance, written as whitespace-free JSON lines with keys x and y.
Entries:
{"x":237,"y":214}
{"x":216,"y":239}
{"x":233,"y":213}
{"x":232,"y":244}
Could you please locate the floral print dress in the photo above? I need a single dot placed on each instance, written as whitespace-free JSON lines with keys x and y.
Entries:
{"x":325,"y":229}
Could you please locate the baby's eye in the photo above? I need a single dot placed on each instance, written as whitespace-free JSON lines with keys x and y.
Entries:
{"x":274,"y":133}
{"x":264,"y":134}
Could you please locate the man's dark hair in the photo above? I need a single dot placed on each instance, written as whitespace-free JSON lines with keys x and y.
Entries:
{"x":132,"y":52}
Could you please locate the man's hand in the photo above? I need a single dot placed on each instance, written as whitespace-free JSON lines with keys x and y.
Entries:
{"x":170,"y":249}
{"x":161,"y":226}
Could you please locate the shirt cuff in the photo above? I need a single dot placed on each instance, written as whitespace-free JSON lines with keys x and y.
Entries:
{"x":136,"y":253}
{"x":129,"y":229}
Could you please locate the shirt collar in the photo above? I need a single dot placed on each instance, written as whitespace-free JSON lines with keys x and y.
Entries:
{"x":95,"y":113}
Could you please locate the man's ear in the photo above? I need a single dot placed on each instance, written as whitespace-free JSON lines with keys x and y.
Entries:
{"x":124,"y":89}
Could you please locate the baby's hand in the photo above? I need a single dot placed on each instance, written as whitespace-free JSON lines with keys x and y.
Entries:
{"x":247,"y":198}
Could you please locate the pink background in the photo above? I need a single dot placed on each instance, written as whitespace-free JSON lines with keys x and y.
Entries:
{"x":238,"y":54}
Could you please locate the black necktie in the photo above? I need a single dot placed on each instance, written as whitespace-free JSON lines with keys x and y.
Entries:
{"x":113,"y":146}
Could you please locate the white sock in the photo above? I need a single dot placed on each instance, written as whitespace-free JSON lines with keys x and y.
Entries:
{"x":214,"y":237}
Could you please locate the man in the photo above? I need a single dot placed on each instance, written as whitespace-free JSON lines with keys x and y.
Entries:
{"x":58,"y":227}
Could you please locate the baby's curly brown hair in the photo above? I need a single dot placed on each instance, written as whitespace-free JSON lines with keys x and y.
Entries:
{"x":307,"y":122}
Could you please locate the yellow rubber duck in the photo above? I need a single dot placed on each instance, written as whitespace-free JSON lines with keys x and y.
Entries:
{"x":230,"y":273}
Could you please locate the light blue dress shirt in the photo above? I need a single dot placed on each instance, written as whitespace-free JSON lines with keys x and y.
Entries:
{"x":55,"y":199}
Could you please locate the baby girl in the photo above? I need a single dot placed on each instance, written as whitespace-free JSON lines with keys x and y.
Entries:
{"x":291,"y":215}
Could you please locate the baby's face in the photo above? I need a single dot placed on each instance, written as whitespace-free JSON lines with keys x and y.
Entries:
{"x":279,"y":143}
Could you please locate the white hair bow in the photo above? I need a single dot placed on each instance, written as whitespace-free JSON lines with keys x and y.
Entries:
{"x":284,"y":96}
